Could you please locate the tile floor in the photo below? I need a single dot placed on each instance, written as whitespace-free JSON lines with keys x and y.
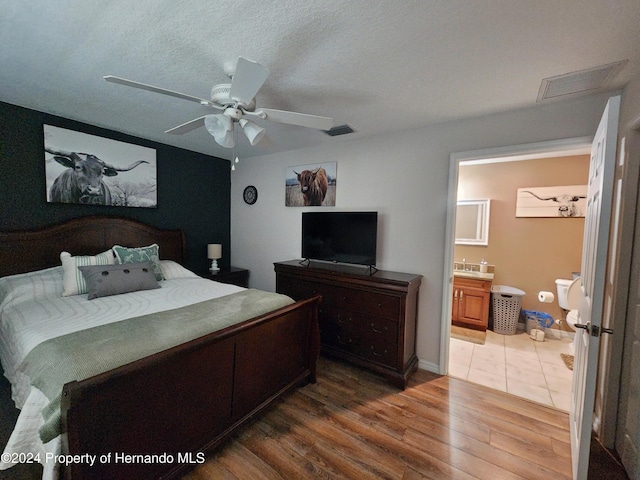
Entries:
{"x":517,"y":365}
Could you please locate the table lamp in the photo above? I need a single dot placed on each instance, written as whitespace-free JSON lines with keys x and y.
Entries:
{"x":214,"y":252}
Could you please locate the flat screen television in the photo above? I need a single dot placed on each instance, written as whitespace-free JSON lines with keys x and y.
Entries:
{"x":342,"y":237}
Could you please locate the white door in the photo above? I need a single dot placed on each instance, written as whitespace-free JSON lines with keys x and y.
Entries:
{"x":593,"y":275}
{"x":627,"y":441}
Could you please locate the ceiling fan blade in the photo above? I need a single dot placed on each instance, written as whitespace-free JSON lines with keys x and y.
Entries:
{"x":294,"y":118}
{"x":163,"y":91}
{"x":187,"y":127}
{"x":247,"y":80}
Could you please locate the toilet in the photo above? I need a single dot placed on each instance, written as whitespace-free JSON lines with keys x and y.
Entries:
{"x":568,"y":298}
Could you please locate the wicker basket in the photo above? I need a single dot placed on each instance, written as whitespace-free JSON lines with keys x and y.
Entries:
{"x":506,"y":308}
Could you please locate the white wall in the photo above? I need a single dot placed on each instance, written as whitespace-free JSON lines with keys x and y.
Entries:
{"x":404,"y":176}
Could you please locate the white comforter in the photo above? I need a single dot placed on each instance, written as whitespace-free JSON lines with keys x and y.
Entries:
{"x":32,"y":310}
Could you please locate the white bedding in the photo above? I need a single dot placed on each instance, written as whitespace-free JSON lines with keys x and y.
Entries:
{"x":32,"y":310}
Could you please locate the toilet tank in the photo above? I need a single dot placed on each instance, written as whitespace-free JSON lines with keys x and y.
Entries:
{"x":562,"y":285}
{"x":568,"y":293}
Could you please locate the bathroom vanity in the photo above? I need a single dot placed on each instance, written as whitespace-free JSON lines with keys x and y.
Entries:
{"x":471,"y":299}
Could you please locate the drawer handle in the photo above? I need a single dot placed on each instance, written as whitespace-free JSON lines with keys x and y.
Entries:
{"x":378,"y":354}
{"x":341,"y":321}
{"x":342,"y":341}
{"x":373,"y":327}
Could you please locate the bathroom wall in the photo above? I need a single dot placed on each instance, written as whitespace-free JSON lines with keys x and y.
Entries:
{"x":528,"y":253}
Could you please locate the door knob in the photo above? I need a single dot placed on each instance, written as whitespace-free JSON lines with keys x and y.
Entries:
{"x":594,"y":329}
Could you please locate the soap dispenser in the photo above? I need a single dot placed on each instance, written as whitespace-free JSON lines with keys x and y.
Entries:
{"x":484,"y":268}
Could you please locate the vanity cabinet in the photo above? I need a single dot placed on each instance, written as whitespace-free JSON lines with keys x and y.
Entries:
{"x":366,"y":319}
{"x":471,"y":299}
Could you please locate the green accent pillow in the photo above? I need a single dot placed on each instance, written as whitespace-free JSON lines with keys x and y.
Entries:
{"x":105,"y":280}
{"x":140,"y":254}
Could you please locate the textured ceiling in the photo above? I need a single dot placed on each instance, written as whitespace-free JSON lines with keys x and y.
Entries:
{"x":378,"y":66}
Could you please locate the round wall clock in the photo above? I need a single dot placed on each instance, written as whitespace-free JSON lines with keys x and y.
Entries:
{"x":250,"y":195}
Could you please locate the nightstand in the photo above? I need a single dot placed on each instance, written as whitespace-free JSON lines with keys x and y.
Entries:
{"x":233,"y":275}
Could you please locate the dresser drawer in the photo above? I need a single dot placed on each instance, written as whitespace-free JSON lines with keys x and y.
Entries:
{"x":298,"y":289}
{"x":378,"y":304}
{"x":366,"y":326}
{"x":366,"y":336}
{"x":378,"y":351}
{"x":366,"y":302}
{"x":338,"y":329}
{"x":379,"y":330}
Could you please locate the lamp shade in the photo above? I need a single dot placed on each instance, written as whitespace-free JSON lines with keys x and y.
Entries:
{"x":252,"y":131}
{"x":214,"y":251}
{"x":221,"y":127}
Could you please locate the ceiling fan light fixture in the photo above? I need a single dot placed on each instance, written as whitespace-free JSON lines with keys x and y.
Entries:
{"x":253,"y":132}
{"x":221,"y":128}
{"x":235,"y":100}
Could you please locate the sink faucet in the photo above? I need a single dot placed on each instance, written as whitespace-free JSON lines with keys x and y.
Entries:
{"x":464,"y":264}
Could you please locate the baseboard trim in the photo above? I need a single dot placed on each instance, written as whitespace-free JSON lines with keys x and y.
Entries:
{"x":429,"y":366}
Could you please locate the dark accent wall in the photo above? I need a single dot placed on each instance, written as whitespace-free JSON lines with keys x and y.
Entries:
{"x":193,"y":189}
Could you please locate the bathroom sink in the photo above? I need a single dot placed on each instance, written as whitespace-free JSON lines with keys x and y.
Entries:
{"x":470,"y":274}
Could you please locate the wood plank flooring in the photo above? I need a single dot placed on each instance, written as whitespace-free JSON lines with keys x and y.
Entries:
{"x":351,"y":424}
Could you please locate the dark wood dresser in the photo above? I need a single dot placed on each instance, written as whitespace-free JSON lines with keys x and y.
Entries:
{"x":366,"y":319}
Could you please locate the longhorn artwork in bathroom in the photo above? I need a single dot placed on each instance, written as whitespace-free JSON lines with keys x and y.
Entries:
{"x":560,"y":202}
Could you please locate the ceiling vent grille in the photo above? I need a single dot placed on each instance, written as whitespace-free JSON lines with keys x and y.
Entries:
{"x":339,"y":130}
{"x":591,"y":80}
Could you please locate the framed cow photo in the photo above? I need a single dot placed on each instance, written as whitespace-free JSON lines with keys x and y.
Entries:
{"x":90,"y":170}
{"x":559,"y":202}
{"x":311,"y":185}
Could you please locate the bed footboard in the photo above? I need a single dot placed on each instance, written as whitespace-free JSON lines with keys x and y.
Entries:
{"x":157,"y":417}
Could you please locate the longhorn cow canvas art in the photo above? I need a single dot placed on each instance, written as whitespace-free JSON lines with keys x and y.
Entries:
{"x":562,"y":202}
{"x":311,"y":185}
{"x":90,"y":170}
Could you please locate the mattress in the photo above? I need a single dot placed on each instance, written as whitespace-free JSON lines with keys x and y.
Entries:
{"x":32,"y":310}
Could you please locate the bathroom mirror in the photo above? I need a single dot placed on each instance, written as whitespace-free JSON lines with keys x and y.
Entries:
{"x":472,"y":222}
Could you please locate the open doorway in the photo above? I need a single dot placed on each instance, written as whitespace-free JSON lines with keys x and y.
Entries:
{"x":525,"y":253}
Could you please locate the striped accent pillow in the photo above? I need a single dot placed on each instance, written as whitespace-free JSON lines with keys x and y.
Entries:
{"x":72,"y":279}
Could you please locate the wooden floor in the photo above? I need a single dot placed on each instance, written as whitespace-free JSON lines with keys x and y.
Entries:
{"x":352,"y":424}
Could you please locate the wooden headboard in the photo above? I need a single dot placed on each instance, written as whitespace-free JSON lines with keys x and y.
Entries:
{"x":28,"y":250}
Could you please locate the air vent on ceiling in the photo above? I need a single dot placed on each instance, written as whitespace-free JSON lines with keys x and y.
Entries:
{"x":584,"y":81}
{"x":339,"y":130}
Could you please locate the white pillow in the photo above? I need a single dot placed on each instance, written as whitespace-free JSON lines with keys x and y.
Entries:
{"x":171,"y":269}
{"x":72,"y":279}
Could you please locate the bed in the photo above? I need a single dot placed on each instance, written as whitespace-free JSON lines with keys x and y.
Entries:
{"x":150,"y":417}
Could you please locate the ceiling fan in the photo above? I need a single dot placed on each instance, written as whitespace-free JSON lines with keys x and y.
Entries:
{"x":236,"y":100}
